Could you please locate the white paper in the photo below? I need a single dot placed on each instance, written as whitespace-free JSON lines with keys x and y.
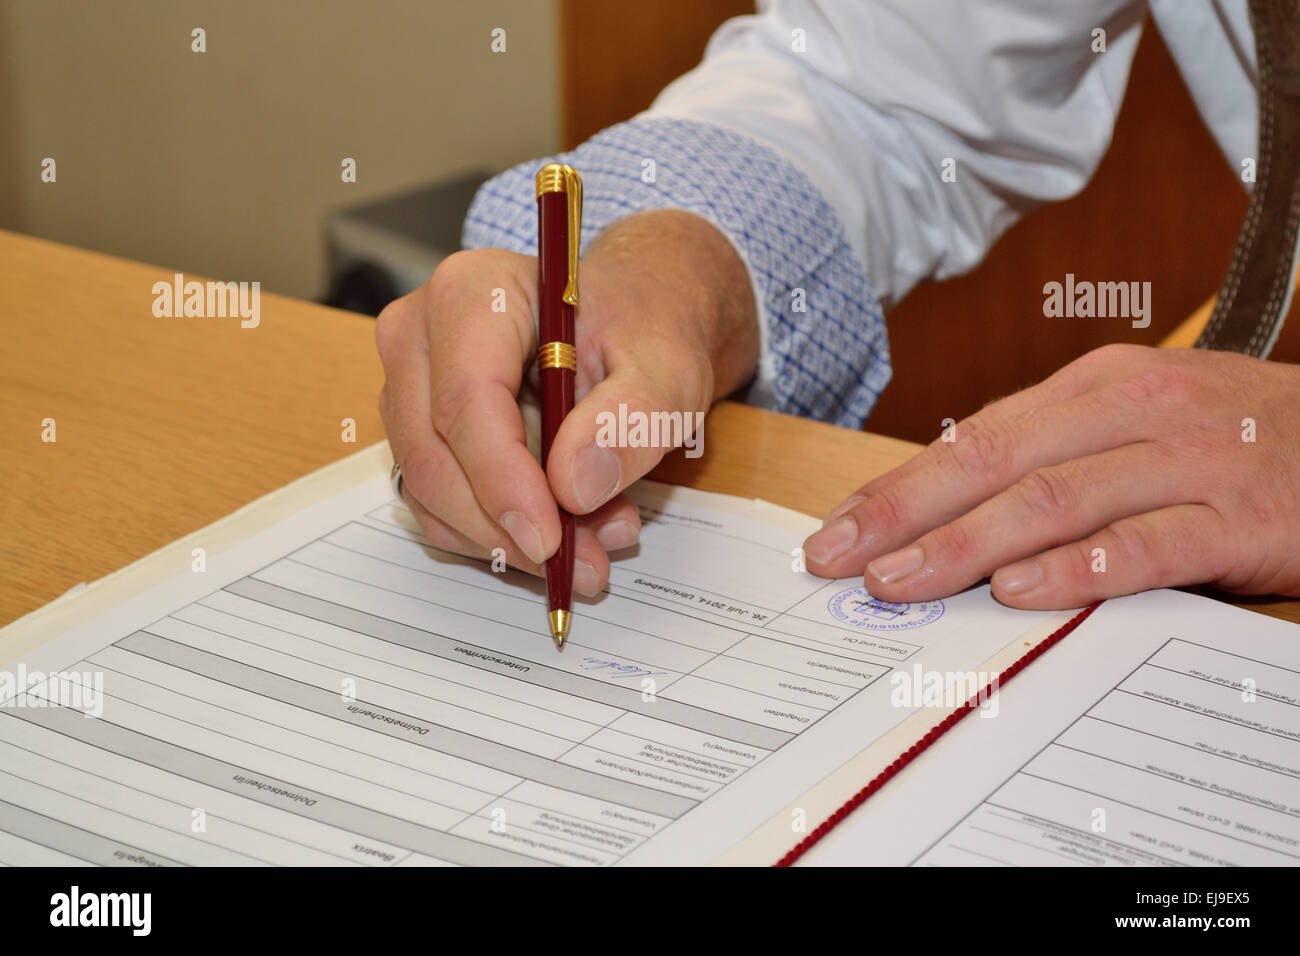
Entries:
{"x":1165,"y":730}
{"x":332,"y":691}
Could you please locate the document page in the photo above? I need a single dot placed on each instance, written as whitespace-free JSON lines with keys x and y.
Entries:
{"x":332,"y":690}
{"x":1164,"y":731}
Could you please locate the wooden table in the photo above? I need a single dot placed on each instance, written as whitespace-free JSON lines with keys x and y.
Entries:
{"x":164,"y":425}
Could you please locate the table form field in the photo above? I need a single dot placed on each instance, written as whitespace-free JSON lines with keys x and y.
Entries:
{"x":1192,"y":759}
{"x":265,"y":722}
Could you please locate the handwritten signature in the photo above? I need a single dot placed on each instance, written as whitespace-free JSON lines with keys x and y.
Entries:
{"x":617,"y":669}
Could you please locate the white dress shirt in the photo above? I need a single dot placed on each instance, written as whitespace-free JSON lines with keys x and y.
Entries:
{"x":1010,"y":89}
{"x":815,"y":136}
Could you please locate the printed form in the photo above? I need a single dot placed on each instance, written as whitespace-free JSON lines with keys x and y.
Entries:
{"x":333,"y":691}
{"x":1164,"y":731}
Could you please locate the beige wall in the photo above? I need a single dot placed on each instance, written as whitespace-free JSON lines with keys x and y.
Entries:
{"x":226,"y":163}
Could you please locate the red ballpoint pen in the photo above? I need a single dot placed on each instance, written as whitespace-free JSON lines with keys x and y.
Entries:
{"x":559,"y":221}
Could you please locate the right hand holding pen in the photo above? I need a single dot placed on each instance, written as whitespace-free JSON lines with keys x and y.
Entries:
{"x":667,"y":323}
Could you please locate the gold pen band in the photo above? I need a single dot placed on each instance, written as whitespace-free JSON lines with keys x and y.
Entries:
{"x":557,"y":355}
{"x":551,"y":179}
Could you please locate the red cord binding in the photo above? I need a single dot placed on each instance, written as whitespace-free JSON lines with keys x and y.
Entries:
{"x":930,"y":737}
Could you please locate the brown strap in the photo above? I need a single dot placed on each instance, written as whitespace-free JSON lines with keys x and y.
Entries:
{"x":1257,"y":290}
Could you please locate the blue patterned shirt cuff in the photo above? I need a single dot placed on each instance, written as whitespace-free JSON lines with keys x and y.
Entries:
{"x":825,"y":352}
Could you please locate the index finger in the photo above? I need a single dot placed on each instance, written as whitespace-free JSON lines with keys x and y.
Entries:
{"x":478,"y":356}
{"x":978,"y":458}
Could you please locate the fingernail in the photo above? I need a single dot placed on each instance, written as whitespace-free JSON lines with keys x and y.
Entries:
{"x":1018,"y":578}
{"x":848,"y":505}
{"x":896,"y":564}
{"x":595,"y":474}
{"x":524,"y":534}
{"x":617,"y":534}
{"x":585,"y":579}
{"x":833,"y":540}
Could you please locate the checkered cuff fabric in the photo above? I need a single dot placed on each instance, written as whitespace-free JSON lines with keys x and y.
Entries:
{"x":825,"y":348}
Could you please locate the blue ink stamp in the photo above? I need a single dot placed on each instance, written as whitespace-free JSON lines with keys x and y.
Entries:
{"x":854,"y":606}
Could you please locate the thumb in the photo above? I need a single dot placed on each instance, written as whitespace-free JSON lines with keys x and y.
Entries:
{"x":619,"y":431}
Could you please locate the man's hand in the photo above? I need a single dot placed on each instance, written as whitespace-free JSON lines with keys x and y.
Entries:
{"x":666,"y":322}
{"x":1131,"y":468}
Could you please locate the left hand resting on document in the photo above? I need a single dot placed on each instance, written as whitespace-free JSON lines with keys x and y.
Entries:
{"x":1131,"y":468}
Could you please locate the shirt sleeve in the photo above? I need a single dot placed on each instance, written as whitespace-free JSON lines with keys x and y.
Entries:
{"x":848,"y":151}
{"x":824,"y":352}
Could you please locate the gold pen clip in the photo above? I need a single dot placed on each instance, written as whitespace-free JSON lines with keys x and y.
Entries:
{"x":559,"y":178}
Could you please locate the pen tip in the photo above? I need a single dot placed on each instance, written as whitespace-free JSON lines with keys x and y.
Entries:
{"x":559,"y":627}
